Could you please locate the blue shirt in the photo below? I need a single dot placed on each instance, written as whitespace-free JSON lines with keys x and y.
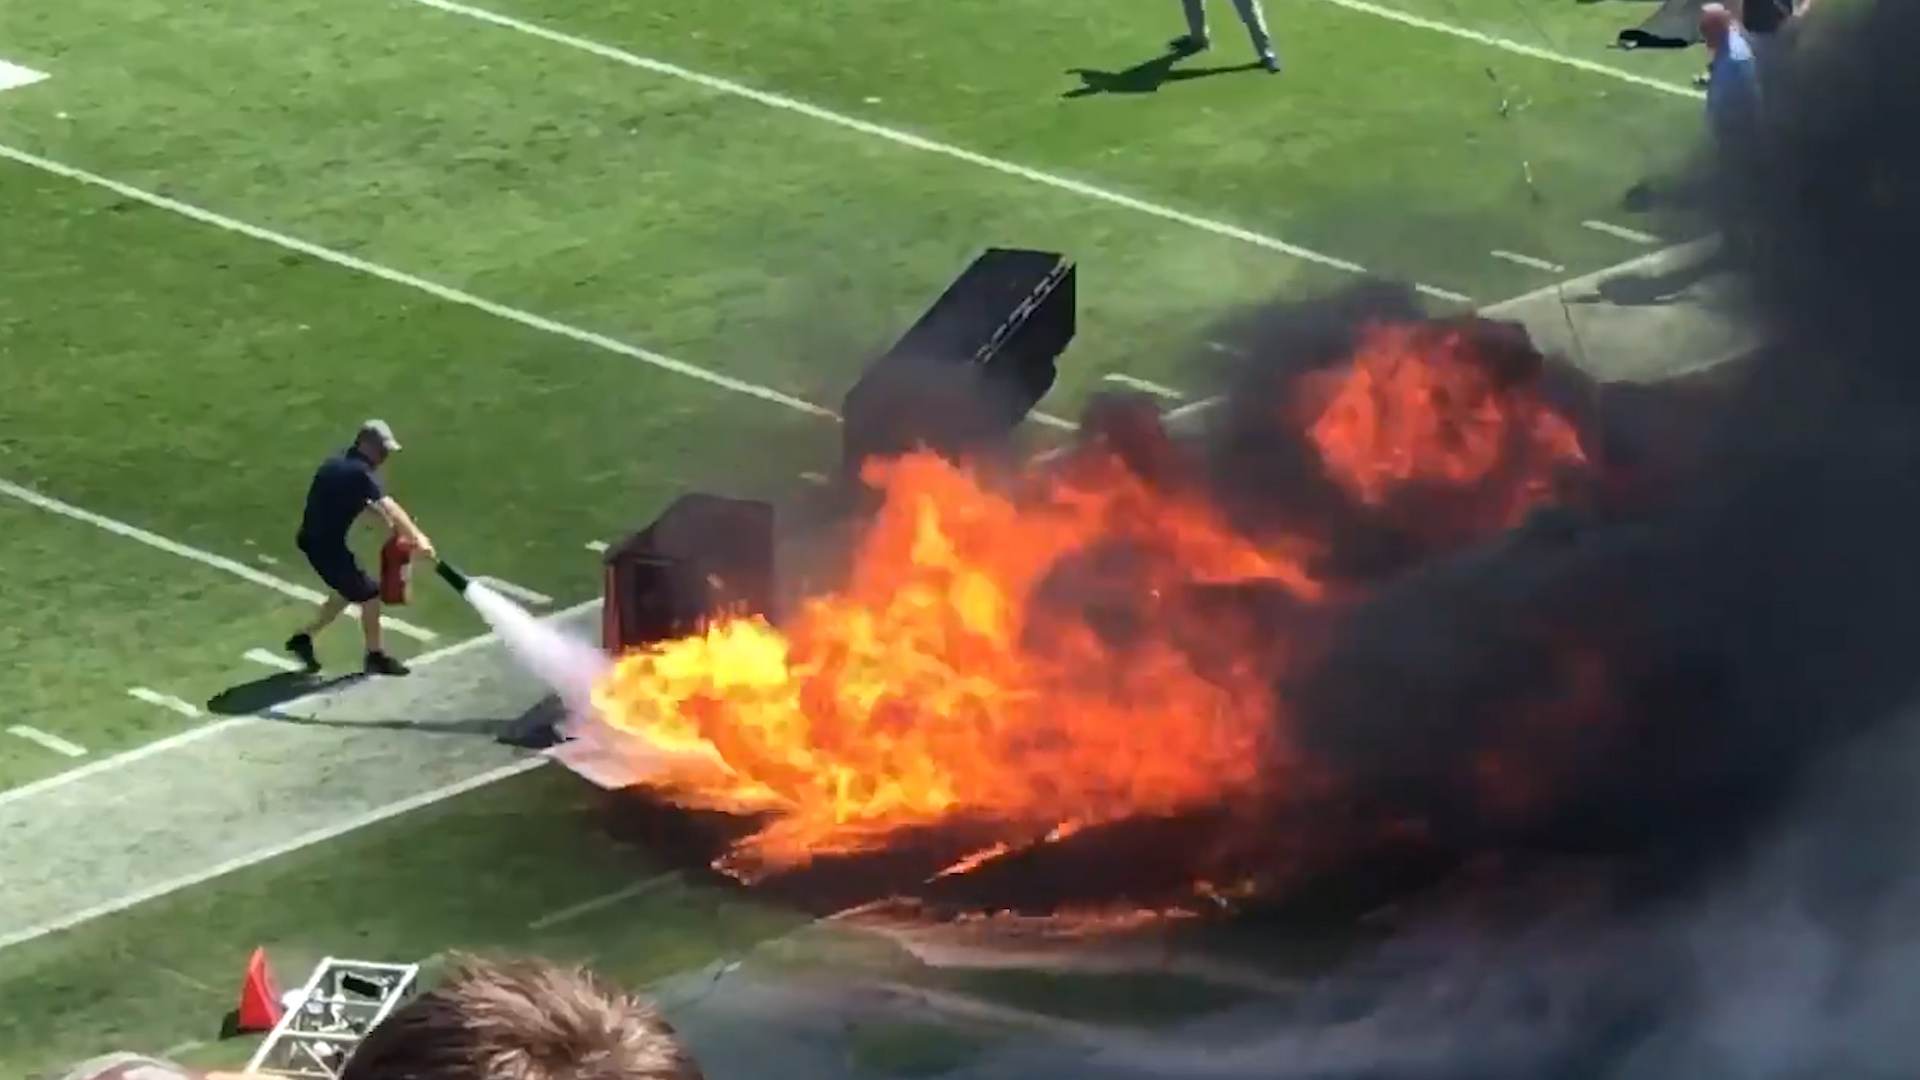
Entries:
{"x":1733,"y":87}
{"x":342,"y":488}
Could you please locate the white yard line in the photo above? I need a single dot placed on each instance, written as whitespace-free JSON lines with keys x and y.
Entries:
{"x":154,"y":540}
{"x":194,"y":735}
{"x":331,"y":832}
{"x":165,"y":701}
{"x":1528,"y":261}
{"x":913,"y":142}
{"x":13,"y":76}
{"x":1620,"y":232}
{"x":48,"y":740}
{"x":1509,"y":305}
{"x":598,"y":547}
{"x":602,"y":902}
{"x":401,"y":277}
{"x":269,"y":658}
{"x":1144,"y":386}
{"x":516,"y":592}
{"x":1506,"y":45}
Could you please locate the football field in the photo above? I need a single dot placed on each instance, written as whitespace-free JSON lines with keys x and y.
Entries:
{"x":584,"y":258}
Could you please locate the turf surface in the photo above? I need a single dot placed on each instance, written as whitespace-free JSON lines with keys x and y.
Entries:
{"x":184,"y":377}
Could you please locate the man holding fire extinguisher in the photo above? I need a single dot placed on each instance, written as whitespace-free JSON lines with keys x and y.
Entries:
{"x":345,"y":486}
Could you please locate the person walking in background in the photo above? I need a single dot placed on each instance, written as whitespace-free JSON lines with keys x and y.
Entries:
{"x":1733,"y":77}
{"x":345,"y":486}
{"x":1197,"y":40}
{"x":1761,"y":21}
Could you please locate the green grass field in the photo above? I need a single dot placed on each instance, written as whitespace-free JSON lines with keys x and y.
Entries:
{"x":588,"y":256}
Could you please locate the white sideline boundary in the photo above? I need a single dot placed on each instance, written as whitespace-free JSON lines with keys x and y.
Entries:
{"x":14,"y":76}
{"x":190,"y":736}
{"x":912,"y":141}
{"x":252,"y":574}
{"x":48,"y":740}
{"x":317,"y":836}
{"x":1518,"y":48}
{"x":400,"y":277}
{"x":392,"y":810}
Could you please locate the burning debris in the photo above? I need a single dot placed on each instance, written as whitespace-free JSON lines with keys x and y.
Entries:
{"x":1417,"y":594}
{"x":1094,"y":663}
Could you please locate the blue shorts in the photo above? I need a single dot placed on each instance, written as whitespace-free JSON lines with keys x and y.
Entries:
{"x":342,"y":573}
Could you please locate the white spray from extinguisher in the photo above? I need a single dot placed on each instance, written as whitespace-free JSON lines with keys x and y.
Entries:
{"x":572,"y":668}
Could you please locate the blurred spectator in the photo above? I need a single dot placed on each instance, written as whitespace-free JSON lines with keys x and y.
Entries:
{"x":521,"y":1020}
{"x":1733,"y":79}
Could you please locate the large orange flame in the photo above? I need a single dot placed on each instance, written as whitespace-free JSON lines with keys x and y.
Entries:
{"x":944,"y":680}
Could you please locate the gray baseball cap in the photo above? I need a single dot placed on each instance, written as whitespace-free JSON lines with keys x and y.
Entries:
{"x":381,"y":432}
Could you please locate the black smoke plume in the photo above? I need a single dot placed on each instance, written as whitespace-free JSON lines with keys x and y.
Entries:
{"x":1753,"y":794}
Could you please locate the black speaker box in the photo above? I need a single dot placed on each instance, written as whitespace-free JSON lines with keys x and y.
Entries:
{"x":704,"y":556}
{"x":973,"y":366}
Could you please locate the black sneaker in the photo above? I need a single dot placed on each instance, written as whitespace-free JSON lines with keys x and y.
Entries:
{"x":379,"y":663}
{"x":301,"y":646}
{"x":1187,"y":45}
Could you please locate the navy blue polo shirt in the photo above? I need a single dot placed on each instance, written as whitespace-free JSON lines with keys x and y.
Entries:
{"x":342,"y":488}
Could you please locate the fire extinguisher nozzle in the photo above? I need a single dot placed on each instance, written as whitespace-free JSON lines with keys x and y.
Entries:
{"x":452,"y":577}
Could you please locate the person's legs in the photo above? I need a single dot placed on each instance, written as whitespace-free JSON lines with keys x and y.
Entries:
{"x":351,"y":585}
{"x":370,"y":628}
{"x":1196,"y":38}
{"x":1256,"y":22}
{"x":327,"y":566}
{"x":330,"y":609}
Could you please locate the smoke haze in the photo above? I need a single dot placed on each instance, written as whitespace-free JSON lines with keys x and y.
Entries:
{"x":1753,"y":805}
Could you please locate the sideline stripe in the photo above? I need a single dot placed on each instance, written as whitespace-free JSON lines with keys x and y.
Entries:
{"x":914,"y":142}
{"x":317,"y":836}
{"x":1621,"y":232}
{"x":1516,"y":47}
{"x":1528,"y":261}
{"x":1146,"y":386}
{"x":14,"y":76}
{"x":1557,"y":289}
{"x":47,"y":739}
{"x":154,"y":540}
{"x":194,"y":735}
{"x":401,"y":277}
{"x":165,"y":701}
{"x":516,"y":592}
{"x":273,"y":660}
{"x":603,"y":901}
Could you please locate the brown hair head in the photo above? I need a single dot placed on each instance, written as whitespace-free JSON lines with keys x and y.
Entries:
{"x":521,"y":1020}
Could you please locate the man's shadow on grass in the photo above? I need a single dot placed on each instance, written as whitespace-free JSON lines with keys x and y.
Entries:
{"x":1147,"y":76}
{"x":261,"y":696}
{"x":534,"y":729}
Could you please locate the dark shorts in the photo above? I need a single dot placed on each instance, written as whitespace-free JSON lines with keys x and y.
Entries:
{"x":342,"y":573}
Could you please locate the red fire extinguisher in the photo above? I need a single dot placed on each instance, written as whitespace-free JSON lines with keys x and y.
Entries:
{"x":396,"y":570}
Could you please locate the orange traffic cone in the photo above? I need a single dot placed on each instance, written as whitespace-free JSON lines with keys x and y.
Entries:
{"x":260,"y":1007}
